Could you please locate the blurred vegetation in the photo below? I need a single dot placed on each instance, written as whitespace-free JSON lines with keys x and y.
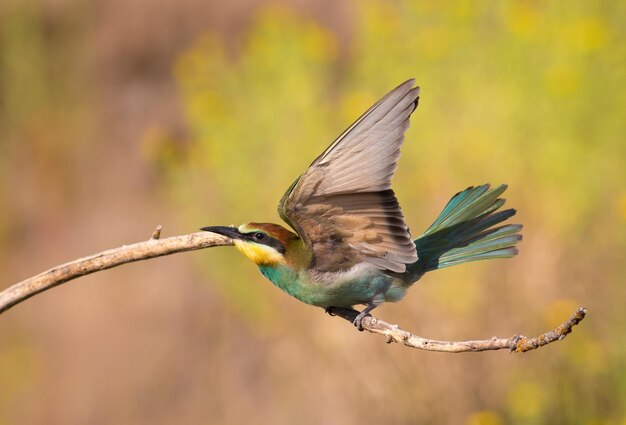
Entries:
{"x":523,"y":92}
{"x":40,"y":117}
{"x":526,"y":93}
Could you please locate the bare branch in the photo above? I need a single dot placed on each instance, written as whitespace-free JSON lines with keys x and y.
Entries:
{"x":105,"y":260}
{"x":516,"y":343}
{"x":156,"y":247}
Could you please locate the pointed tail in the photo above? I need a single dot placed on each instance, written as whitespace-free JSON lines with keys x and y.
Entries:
{"x":464,"y":231}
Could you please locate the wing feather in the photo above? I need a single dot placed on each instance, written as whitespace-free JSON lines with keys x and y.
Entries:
{"x":343,"y":206}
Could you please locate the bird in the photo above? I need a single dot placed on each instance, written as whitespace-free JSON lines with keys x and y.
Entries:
{"x":348,"y":243}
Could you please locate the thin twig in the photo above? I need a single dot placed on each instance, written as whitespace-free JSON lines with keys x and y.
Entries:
{"x":156,"y":247}
{"x":517,"y":343}
{"x":157,"y":233}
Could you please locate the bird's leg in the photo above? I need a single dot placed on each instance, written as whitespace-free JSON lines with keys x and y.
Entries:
{"x":366,"y":311}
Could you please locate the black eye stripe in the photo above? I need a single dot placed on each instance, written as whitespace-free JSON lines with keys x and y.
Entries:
{"x":265,"y":239}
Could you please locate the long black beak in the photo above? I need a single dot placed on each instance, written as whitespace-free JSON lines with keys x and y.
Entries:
{"x":231,"y":232}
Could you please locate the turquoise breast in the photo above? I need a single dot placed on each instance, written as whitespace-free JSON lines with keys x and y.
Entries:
{"x":341,"y":293}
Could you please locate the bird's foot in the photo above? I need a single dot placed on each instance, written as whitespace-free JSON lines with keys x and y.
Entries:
{"x":359,"y":319}
{"x":329,"y":311}
{"x":366,"y":312}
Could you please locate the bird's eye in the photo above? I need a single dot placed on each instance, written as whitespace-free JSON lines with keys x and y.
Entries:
{"x":259,"y":236}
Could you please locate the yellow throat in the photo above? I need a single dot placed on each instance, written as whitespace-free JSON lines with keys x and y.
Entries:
{"x":260,"y":254}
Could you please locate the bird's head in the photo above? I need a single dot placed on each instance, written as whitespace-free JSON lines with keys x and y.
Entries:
{"x":264,"y":243}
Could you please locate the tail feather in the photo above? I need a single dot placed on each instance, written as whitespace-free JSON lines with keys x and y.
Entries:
{"x":500,"y":242}
{"x":468,"y":204}
{"x":464,"y":231}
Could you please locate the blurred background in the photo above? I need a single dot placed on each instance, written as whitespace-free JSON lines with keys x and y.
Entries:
{"x":116,"y":116}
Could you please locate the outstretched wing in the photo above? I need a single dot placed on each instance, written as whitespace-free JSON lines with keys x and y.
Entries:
{"x":343,"y":206}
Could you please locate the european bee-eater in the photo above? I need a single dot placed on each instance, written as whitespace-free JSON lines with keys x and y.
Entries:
{"x":350,"y":244}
